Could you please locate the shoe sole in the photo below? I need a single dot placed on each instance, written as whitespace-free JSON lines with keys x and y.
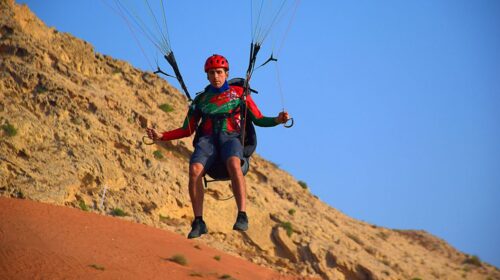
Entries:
{"x":203,"y":232}
{"x":240,"y":229}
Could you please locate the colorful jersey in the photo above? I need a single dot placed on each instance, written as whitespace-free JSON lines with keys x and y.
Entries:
{"x":218,"y":110}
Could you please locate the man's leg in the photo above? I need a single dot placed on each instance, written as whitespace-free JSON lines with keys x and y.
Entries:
{"x":198,"y":227}
{"x":196,"y":188}
{"x":233,"y":165}
{"x":203,"y":155}
{"x":239,"y":189}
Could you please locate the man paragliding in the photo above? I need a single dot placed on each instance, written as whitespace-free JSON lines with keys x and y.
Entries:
{"x":219,"y":116}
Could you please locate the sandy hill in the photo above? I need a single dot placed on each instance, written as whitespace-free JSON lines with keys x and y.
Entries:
{"x":72,"y":122}
{"x":45,"y":241}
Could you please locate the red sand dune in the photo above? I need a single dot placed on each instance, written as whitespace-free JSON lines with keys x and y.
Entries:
{"x":43,"y":241}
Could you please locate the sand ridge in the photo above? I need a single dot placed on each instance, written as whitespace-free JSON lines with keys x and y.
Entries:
{"x":54,"y":242}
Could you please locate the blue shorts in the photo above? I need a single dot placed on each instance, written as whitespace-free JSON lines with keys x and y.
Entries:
{"x":209,"y":148}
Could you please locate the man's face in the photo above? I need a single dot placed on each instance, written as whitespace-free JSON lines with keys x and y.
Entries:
{"x":217,"y":76}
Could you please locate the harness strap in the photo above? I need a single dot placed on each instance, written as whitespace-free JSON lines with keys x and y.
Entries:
{"x":217,"y":119}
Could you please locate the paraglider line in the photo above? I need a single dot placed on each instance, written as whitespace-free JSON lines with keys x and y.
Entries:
{"x":129,"y":26}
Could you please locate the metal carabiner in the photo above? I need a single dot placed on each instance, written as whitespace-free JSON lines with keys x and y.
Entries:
{"x":288,"y":125}
{"x":146,"y":142}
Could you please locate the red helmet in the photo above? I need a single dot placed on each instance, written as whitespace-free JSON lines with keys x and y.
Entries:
{"x":216,"y":61}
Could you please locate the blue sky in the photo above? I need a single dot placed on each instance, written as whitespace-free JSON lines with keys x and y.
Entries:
{"x":396,"y":103}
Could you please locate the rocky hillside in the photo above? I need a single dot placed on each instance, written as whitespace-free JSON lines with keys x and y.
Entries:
{"x":72,"y":122}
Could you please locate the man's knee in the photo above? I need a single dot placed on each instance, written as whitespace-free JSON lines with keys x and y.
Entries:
{"x":195,"y":170}
{"x":234,"y":164}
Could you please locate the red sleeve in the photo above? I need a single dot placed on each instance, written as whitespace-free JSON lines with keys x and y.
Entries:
{"x":189,"y":127}
{"x":253,"y":108}
{"x":256,"y":115}
{"x":176,"y":134}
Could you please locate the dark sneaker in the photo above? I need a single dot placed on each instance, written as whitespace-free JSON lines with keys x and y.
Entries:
{"x":198,"y":227}
{"x":241,"y":222}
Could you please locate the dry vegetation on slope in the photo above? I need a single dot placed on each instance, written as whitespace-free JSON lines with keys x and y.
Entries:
{"x":72,"y":122}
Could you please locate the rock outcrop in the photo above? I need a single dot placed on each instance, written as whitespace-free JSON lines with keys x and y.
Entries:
{"x":72,"y":122}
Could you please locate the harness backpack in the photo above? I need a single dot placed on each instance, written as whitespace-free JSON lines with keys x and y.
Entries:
{"x":248,"y":137}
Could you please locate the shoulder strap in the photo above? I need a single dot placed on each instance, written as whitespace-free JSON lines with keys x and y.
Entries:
{"x":240,"y":82}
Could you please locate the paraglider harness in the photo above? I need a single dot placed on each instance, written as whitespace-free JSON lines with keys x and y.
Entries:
{"x":248,"y":137}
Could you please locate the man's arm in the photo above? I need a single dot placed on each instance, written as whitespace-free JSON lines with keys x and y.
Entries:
{"x":260,"y":120}
{"x":188,"y":128}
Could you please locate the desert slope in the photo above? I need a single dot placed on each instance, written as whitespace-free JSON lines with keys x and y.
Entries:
{"x":54,"y":242}
{"x":78,"y":118}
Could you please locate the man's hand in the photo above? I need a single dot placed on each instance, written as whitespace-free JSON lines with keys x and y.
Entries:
{"x":283,"y":117}
{"x":152,"y":134}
